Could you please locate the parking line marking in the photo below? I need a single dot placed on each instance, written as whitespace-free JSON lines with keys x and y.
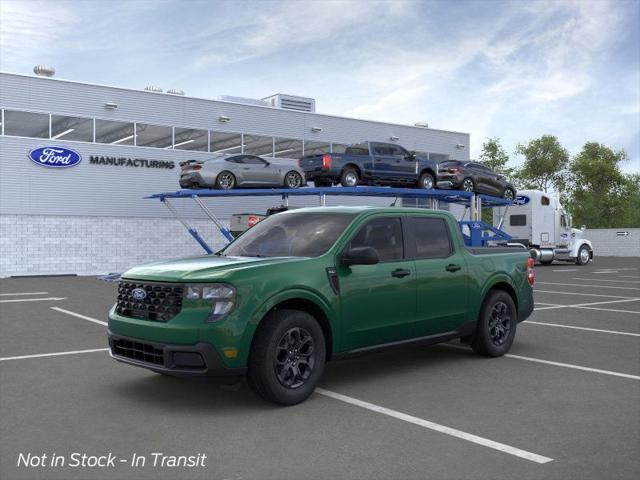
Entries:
{"x":575,"y":367}
{"x":589,"y":305}
{"x":583,"y":294}
{"x":74,"y":314}
{"x":629,"y":276}
{"x":50,"y":299}
{"x":22,"y":293}
{"x":611,"y":310}
{"x":485,"y":442}
{"x":598,"y":330}
{"x":568,"y":270}
{"x":56,"y":354}
{"x":615,"y":281}
{"x":557,"y":364}
{"x":594,"y":286}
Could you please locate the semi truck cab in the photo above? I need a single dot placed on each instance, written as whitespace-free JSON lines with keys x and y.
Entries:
{"x":538,"y":221}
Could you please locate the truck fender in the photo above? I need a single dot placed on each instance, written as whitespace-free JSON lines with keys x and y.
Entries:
{"x":578,"y":244}
{"x":283,"y":296}
{"x":494,"y":280}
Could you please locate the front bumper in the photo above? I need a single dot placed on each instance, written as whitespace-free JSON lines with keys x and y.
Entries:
{"x":198,"y":360}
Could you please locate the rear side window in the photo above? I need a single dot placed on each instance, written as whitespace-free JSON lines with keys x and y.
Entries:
{"x":431,"y":237}
{"x":383,"y":234}
{"x":238,"y":159}
{"x":518,"y":220}
{"x":357,"y":149}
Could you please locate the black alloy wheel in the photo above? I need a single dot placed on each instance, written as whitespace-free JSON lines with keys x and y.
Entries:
{"x":496,"y":328}
{"x":499,"y":323}
{"x":295,"y":358}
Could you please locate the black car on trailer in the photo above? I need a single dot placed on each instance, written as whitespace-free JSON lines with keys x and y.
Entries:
{"x":474,"y":177}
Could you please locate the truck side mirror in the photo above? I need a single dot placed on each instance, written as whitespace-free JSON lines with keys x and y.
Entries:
{"x":583,"y":227}
{"x":360,"y":256}
{"x":411,"y":156}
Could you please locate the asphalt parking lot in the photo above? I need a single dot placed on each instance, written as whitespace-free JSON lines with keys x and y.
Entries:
{"x":564,"y":404}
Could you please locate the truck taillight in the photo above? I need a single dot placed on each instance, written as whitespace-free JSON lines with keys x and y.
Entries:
{"x":299,"y":162}
{"x":326,"y":161}
{"x":531,"y":276}
{"x":252,"y":220}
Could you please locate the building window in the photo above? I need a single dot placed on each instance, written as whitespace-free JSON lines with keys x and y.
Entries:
{"x":226,"y":143}
{"x":316,"y":148}
{"x":26,"y":124}
{"x":115,"y":133}
{"x":71,"y":128}
{"x":258,"y":145}
{"x":156,"y":136}
{"x":287,"y":148}
{"x":191,"y":139}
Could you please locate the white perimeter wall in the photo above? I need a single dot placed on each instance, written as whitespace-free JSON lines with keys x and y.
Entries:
{"x":607,"y":242}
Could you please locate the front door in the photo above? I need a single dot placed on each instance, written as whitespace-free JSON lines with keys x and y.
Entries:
{"x":378,"y":301}
{"x":442,"y":277}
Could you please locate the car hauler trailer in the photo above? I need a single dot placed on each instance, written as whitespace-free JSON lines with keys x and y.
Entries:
{"x":475,"y":232}
{"x":538,"y":221}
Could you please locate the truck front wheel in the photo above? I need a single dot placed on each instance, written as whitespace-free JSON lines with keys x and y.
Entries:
{"x":287,"y":357}
{"x":496,"y":325}
{"x":584,"y":255}
{"x":426,"y":181}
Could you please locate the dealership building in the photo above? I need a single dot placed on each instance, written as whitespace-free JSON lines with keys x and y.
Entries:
{"x":92,"y":217}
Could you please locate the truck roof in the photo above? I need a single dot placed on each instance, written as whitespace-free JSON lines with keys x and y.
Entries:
{"x":364,"y":208}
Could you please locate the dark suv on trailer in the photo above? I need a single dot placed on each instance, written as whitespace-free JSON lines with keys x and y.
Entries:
{"x":474,"y":177}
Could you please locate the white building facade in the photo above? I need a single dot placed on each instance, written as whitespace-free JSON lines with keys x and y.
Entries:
{"x":92,"y":217}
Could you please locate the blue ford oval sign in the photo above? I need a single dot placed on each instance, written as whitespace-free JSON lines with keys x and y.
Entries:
{"x":55,"y":157}
{"x":521,"y":200}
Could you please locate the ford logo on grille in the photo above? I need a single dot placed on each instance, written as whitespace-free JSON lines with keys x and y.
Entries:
{"x":138,"y":294}
{"x":55,"y":157}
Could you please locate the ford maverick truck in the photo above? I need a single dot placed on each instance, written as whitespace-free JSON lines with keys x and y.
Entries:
{"x":371,"y":163}
{"x":306,"y":286}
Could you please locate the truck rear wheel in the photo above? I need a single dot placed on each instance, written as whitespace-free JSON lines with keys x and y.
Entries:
{"x":349,"y":178}
{"x":287,"y":357}
{"x":496,"y":325}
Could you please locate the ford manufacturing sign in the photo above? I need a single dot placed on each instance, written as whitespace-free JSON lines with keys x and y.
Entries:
{"x":55,"y":157}
{"x":521,"y":200}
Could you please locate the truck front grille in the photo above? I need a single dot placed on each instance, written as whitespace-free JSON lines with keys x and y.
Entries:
{"x":143,"y":352}
{"x":160,"y":302}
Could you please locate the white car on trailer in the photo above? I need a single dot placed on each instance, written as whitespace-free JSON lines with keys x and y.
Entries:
{"x":538,"y":221}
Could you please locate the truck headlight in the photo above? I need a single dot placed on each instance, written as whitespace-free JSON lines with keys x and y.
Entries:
{"x":221,"y":295}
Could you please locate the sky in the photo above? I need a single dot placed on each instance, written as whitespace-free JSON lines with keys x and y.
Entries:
{"x":514,"y":69}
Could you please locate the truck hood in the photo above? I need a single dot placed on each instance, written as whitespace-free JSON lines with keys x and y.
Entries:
{"x":203,"y":268}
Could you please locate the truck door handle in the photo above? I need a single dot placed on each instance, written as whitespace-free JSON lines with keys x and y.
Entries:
{"x":452,"y":267}
{"x":400,"y":272}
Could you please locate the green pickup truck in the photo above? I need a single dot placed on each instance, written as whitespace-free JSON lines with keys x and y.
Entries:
{"x":316,"y":284}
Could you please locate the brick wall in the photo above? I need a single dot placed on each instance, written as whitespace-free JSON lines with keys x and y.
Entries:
{"x":42,"y":245}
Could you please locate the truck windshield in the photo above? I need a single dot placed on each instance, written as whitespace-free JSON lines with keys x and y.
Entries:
{"x":301,"y":234}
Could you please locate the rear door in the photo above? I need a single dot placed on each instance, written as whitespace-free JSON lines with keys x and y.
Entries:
{"x":378,"y":301}
{"x":442,"y":276}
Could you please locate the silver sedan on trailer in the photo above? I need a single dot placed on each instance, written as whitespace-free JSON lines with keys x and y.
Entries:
{"x":236,"y":171}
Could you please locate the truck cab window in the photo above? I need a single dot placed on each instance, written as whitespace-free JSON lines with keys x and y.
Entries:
{"x":544,"y":201}
{"x":383,"y":234}
{"x":431,"y":237}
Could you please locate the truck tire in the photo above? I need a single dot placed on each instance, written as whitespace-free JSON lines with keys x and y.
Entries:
{"x":584,"y":255}
{"x":509,"y":194}
{"x":287,"y":357}
{"x":496,"y":325}
{"x":426,"y":181}
{"x":225,"y":180}
{"x":349,"y":177}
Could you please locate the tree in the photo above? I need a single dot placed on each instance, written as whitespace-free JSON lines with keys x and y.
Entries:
{"x":599,"y":194}
{"x":495,"y":157}
{"x":545,"y":163}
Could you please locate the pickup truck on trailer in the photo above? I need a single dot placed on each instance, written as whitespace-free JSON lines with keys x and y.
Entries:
{"x":371,"y":163}
{"x":315,"y":284}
